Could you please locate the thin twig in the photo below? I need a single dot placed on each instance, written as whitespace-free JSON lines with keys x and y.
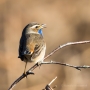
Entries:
{"x":55,"y":50}
{"x":48,"y":87}
{"x":52,"y":81}
{"x":64,"y":45}
{"x":65,"y":64}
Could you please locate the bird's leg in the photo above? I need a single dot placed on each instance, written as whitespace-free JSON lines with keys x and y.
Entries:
{"x":25,"y":68}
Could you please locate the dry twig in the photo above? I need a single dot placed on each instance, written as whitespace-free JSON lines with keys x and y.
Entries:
{"x":52,"y":62}
{"x":48,"y":85}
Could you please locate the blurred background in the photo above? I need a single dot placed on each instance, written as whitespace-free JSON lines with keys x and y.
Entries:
{"x":67,"y":21}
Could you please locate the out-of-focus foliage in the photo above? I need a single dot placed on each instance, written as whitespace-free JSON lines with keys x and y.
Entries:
{"x":67,"y":20}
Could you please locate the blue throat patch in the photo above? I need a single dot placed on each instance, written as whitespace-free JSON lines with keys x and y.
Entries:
{"x":40,"y":32}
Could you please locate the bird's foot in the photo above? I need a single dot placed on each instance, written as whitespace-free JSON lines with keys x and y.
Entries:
{"x":25,"y":74}
{"x":39,"y":63}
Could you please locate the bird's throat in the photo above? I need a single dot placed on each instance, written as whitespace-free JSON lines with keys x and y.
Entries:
{"x":40,"y":32}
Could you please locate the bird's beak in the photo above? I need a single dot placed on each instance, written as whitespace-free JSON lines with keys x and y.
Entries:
{"x":43,"y":26}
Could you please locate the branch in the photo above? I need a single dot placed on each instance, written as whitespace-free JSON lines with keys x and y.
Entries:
{"x":48,"y":85}
{"x":65,"y":64}
{"x":55,"y":50}
{"x":64,"y":45}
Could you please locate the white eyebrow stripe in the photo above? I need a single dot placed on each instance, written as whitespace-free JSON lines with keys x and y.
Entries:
{"x":34,"y":26}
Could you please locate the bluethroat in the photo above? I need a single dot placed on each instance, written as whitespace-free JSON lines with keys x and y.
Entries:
{"x":32,"y":46}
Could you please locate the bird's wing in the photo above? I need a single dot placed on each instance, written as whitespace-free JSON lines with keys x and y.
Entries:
{"x":26,"y":46}
{"x":30,"y":47}
{"x":38,"y":49}
{"x":21,"y":44}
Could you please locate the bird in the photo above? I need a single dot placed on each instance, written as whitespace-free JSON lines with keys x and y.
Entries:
{"x":32,"y":46}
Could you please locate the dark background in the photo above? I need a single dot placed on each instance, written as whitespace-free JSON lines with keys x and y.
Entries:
{"x":67,"y":21}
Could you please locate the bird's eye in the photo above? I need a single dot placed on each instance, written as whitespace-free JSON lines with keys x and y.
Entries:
{"x":36,"y":26}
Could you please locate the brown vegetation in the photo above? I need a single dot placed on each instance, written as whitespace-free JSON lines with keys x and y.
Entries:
{"x":67,"y":20}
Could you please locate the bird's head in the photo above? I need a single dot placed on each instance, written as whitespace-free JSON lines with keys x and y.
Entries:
{"x":35,"y":28}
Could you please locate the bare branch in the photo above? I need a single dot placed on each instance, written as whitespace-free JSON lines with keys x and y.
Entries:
{"x":48,"y":85}
{"x":23,"y":76}
{"x":52,"y":62}
{"x":65,"y":64}
{"x":64,"y":45}
{"x":52,"y":81}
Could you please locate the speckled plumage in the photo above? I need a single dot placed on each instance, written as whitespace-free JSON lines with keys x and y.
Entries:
{"x":32,"y":45}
